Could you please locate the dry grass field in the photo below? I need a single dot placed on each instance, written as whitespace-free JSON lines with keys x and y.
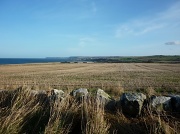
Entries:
{"x":129,"y":76}
{"x":24,"y":113}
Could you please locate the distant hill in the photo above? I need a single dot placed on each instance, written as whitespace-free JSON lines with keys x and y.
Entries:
{"x":123,"y":59}
{"x":131,"y":59}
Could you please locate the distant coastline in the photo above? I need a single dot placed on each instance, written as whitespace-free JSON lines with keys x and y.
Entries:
{"x":97,"y":59}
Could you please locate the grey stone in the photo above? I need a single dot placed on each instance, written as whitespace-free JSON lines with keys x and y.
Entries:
{"x":56,"y":95}
{"x":80,"y":93}
{"x":106,"y":99}
{"x":160,"y":103}
{"x":36,"y":92}
{"x":131,"y":103}
{"x":103,"y":96}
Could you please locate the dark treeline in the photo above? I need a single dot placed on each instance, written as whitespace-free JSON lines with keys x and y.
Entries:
{"x":132,"y":59}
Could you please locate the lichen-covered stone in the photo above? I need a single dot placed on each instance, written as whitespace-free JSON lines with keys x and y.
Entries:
{"x":160,"y":103}
{"x":106,"y":99}
{"x":56,"y":95}
{"x":103,"y":96}
{"x":80,"y":93}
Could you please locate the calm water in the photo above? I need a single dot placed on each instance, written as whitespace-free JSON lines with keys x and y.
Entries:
{"x":29,"y":60}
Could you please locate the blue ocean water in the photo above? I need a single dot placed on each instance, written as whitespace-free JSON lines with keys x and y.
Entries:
{"x":29,"y":60}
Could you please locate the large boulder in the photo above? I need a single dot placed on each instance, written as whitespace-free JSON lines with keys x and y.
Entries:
{"x":160,"y":103}
{"x":131,"y":103}
{"x":105,"y":99}
{"x":175,"y":103}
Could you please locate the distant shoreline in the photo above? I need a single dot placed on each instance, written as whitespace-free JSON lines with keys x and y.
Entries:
{"x":96,"y":59}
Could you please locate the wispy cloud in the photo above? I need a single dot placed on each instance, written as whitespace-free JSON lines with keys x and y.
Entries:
{"x":172,"y":13}
{"x":85,"y":41}
{"x":173,"y":43}
{"x":141,"y":26}
{"x":83,"y":46}
{"x":137,"y":29}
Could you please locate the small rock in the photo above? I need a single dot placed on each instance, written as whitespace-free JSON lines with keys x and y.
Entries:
{"x":106,"y":100}
{"x":56,"y":95}
{"x":80,"y":93}
{"x":36,"y":92}
{"x":103,"y":96}
{"x":160,"y":103}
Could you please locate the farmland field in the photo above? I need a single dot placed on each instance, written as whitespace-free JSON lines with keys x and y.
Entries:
{"x":28,"y":111}
{"x":92,"y":75}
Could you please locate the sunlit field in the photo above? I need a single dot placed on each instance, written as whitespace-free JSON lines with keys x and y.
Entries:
{"x":21,"y":112}
{"x":129,"y":76}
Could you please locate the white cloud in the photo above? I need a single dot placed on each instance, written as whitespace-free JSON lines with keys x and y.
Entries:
{"x":173,"y":43}
{"x":168,"y":18}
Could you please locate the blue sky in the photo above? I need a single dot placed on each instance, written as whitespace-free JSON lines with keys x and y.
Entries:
{"x":57,"y":28}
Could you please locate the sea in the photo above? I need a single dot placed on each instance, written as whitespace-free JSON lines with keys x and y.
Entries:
{"x":4,"y":61}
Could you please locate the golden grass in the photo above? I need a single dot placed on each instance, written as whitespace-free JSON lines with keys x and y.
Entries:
{"x":20,"y":116}
{"x":88,"y":117}
{"x":93,"y":118}
{"x":127,"y":76}
{"x":62,"y":116}
{"x":30,"y":114}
